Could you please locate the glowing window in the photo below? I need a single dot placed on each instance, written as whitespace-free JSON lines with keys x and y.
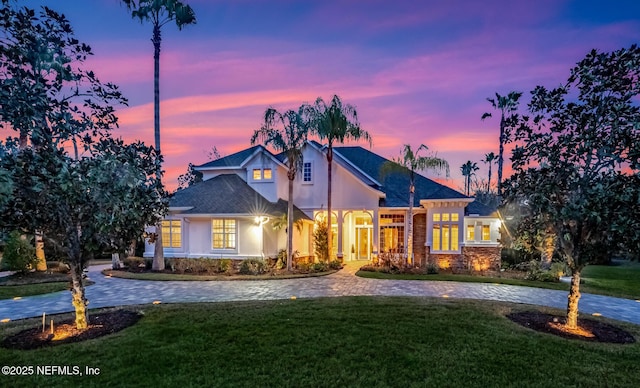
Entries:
{"x":436,"y":217}
{"x":471,"y":232}
{"x":267,"y":173}
{"x":436,"y":237}
{"x":445,"y":217}
{"x":257,"y":174}
{"x":223,"y":233}
{"x":486,"y":233}
{"x":172,"y":233}
{"x":454,"y":216}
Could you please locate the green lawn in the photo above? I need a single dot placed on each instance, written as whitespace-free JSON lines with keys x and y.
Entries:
{"x":10,"y":292}
{"x":621,"y":279}
{"x":332,"y":342}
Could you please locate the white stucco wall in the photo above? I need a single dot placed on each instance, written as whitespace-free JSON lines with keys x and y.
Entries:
{"x":348,"y":192}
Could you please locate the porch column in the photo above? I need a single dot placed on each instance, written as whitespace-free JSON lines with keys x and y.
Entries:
{"x":340,"y":221}
{"x":376,"y":232}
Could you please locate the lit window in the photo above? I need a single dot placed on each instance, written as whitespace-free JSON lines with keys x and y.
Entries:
{"x":267,"y":173}
{"x":172,"y":234}
{"x":391,"y":232}
{"x":257,"y":174}
{"x":445,"y":232}
{"x":223,"y":233}
{"x":471,"y":232}
{"x":486,"y":233}
{"x":306,"y":172}
{"x":436,"y":237}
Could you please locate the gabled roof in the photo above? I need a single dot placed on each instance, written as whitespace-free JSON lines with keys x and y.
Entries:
{"x":233,"y":160}
{"x":227,"y":194}
{"x":480,"y":209}
{"x":394,"y":185}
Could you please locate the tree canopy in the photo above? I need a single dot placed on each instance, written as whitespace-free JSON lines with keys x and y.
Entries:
{"x":577,"y":159}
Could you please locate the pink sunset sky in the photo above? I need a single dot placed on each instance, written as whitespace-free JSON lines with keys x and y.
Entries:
{"x":418,"y":72}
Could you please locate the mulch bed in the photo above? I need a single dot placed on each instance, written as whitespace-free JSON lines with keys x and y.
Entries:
{"x":553,"y":324}
{"x":100,"y":324}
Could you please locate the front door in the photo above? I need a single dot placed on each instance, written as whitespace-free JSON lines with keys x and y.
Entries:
{"x":363,"y":243}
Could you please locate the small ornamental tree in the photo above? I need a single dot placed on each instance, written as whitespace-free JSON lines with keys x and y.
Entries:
{"x":576,"y":166}
{"x":85,"y":206}
{"x":321,"y":240}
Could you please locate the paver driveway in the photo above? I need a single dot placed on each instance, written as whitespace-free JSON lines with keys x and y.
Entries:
{"x":115,"y":292}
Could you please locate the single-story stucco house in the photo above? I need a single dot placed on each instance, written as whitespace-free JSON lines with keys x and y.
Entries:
{"x":230,"y":213}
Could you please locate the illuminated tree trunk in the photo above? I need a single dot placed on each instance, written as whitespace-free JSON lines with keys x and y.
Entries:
{"x":574,"y":297}
{"x":412,"y":189}
{"x":329,"y":229}
{"x":41,"y":264}
{"x":501,"y":153}
{"x":78,"y":298}
{"x":290,"y":223}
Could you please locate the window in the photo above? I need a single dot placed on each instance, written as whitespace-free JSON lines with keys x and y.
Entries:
{"x":172,"y":234}
{"x":486,"y":233}
{"x":445,"y":232}
{"x":266,"y":173}
{"x":257,"y":174}
{"x":471,"y":232}
{"x":262,"y":174}
{"x":223,"y":233}
{"x":307,"y":173}
{"x":391,"y":232}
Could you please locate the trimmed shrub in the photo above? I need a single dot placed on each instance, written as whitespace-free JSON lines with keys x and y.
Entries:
{"x":335,"y":264}
{"x":253,"y":267}
{"x":19,"y":254}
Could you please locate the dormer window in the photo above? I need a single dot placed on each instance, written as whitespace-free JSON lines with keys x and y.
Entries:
{"x":260,"y":174}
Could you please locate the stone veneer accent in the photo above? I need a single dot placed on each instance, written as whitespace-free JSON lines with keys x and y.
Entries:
{"x":471,"y":259}
{"x":419,"y":239}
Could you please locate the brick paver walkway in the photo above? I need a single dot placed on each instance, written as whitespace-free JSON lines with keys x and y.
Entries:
{"x":116,"y":292}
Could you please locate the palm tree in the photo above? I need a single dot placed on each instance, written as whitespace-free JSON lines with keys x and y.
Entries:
{"x":409,"y":163}
{"x":468,"y":169}
{"x":335,"y":123}
{"x":159,"y":13}
{"x":505,"y":104}
{"x":489,"y":158}
{"x":286,"y":133}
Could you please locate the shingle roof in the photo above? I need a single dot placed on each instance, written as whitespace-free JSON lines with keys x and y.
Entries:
{"x":228,"y":194}
{"x":395,"y":185}
{"x":233,"y":160}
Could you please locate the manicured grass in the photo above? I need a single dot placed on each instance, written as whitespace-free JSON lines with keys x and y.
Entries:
{"x":354,"y":342}
{"x":9,"y":292}
{"x":621,"y":279}
{"x":186,"y":277}
{"x":464,"y":278}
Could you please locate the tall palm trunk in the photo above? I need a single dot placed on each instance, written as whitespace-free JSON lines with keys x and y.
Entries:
{"x":290,"y":224}
{"x":489,"y":181}
{"x":500,"y":154}
{"x":574,"y":297}
{"x":412,"y":190}
{"x":329,"y":228}
{"x":158,"y":251}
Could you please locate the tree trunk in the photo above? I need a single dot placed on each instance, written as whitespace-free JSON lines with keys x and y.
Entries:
{"x":78,"y":298}
{"x":115,"y":261}
{"x":41,"y":264}
{"x":329,"y":229}
{"x":500,"y":154}
{"x":410,"y":226}
{"x":158,"y":252}
{"x":574,"y":297}
{"x":290,"y":228}
{"x":489,"y":181}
